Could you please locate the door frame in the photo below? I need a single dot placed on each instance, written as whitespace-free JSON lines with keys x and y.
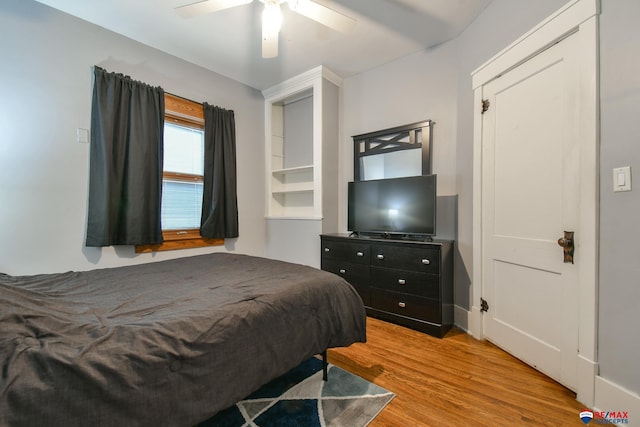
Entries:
{"x":580,"y":19}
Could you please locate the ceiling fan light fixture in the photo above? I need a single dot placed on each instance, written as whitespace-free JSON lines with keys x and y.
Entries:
{"x":271,"y":17}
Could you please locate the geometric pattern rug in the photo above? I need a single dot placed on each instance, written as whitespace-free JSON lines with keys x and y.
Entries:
{"x":301,"y":398}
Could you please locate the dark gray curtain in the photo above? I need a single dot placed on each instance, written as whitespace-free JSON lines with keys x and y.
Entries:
{"x":125,"y":176}
{"x":220,"y":201}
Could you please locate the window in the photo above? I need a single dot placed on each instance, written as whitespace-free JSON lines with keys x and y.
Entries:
{"x":182,"y":177}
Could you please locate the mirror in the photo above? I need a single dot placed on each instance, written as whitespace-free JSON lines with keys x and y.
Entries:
{"x":391,"y":165}
{"x":393,"y":153}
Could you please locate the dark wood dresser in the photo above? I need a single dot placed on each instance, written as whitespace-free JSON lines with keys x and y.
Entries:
{"x":406,"y":282}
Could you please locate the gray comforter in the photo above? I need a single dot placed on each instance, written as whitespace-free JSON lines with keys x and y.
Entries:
{"x":162,"y":344}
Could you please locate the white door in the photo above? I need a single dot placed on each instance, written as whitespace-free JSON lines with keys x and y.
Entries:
{"x":530,"y":196}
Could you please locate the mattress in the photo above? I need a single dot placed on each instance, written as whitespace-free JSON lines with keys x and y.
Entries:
{"x":165,"y":343}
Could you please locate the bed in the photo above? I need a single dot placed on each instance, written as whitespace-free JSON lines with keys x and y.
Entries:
{"x":166,"y":343}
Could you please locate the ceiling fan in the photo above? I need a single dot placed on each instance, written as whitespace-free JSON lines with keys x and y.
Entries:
{"x":272,"y":17}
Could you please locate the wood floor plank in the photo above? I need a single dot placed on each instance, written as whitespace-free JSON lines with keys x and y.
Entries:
{"x":454,"y":381}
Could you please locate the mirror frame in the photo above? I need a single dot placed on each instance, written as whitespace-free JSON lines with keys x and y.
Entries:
{"x":419,"y":135}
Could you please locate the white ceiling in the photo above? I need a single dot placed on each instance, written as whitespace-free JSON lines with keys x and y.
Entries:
{"x":229,"y":41}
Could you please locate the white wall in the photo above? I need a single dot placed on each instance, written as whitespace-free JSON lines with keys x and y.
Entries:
{"x":45,"y":94}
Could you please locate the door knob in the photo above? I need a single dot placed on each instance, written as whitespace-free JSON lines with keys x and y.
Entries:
{"x":567,"y":245}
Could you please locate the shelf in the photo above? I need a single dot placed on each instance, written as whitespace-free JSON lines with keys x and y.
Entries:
{"x":295,"y":218}
{"x":290,"y":171}
{"x":302,"y":191}
{"x":292,"y":180}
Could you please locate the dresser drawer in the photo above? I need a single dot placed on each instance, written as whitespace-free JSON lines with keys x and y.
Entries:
{"x":406,"y":305}
{"x":412,"y":258}
{"x":354,"y":252}
{"x":356,"y":274}
{"x":401,"y":281}
{"x":407,"y":282}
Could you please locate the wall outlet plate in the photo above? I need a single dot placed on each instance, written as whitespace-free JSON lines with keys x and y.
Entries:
{"x":82,"y":135}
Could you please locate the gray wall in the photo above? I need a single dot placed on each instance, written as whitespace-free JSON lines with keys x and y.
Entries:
{"x":436,"y":84}
{"x":45,"y":75}
{"x":45,"y":94}
{"x":330,"y":158}
{"x":412,"y":89}
{"x":619,"y":298}
{"x":298,"y":133}
{"x":619,"y":282}
{"x":501,"y":23}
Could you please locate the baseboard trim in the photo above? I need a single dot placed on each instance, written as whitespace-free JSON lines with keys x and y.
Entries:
{"x":609,"y":396}
{"x":587,"y":372}
{"x":468,"y":321}
{"x":461,"y":318}
{"x":475,"y":323}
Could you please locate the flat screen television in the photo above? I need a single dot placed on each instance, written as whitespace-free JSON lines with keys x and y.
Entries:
{"x":397,"y":206}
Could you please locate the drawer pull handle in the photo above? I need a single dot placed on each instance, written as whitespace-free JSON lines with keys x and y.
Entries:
{"x":401,"y":281}
{"x":359,"y":254}
{"x":426,"y":261}
{"x":402,"y":305}
{"x":380,"y":256}
{"x":327,"y":250}
{"x":342,"y":271}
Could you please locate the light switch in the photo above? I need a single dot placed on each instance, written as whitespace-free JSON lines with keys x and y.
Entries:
{"x":622,"y":179}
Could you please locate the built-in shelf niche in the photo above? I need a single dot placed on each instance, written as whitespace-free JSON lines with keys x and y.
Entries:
{"x":301,"y":117}
{"x":292,"y":180}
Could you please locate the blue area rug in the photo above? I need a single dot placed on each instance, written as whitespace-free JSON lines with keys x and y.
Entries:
{"x":301,"y":398}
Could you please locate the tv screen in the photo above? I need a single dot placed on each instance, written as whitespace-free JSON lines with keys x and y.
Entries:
{"x":404,"y":206}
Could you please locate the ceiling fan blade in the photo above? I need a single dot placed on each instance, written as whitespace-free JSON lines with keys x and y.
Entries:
{"x":207,"y":6}
{"x":323,"y":15}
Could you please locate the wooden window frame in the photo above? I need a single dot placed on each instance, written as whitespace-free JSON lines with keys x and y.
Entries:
{"x":190,"y":114}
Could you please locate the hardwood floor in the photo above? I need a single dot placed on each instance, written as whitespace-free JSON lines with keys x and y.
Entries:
{"x":454,"y":381}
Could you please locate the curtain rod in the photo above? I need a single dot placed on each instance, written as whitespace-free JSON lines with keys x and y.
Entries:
{"x":127,"y":76}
